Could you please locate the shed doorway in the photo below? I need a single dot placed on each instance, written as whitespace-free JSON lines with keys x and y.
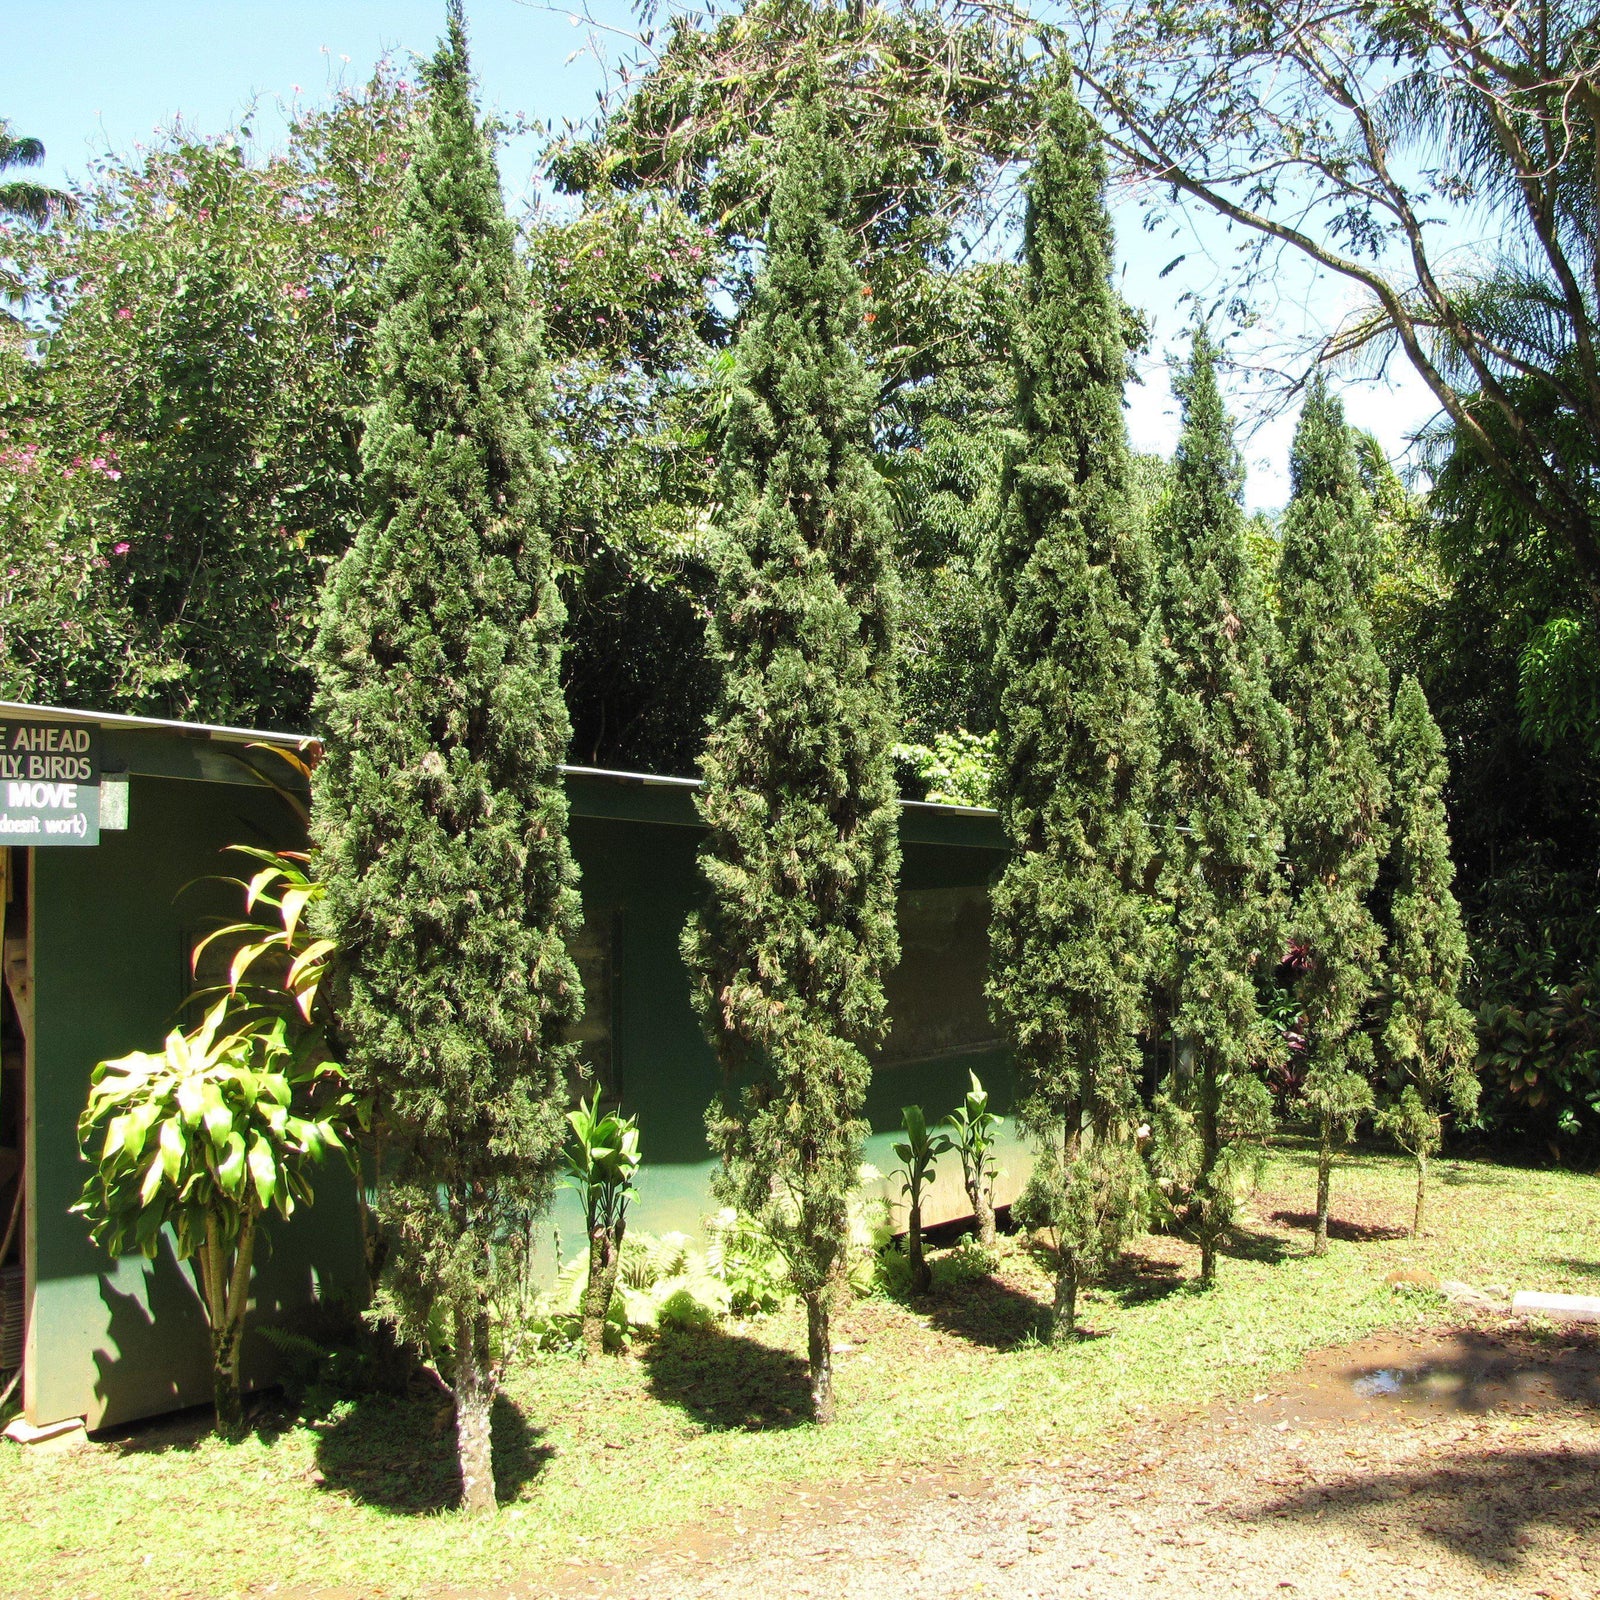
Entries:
{"x":16,"y":1034}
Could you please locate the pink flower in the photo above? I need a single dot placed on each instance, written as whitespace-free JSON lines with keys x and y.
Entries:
{"x":121,"y":548}
{"x":655,"y":277}
{"x":124,"y":314}
{"x":695,"y":252}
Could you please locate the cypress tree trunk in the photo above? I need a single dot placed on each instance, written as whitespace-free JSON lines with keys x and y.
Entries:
{"x":1211,"y":1202}
{"x":1325,"y":1138}
{"x":819,"y":1353}
{"x":1422,"y":1194}
{"x":799,"y":801}
{"x":474,"y":1389}
{"x":438,"y":812}
{"x":1068,"y":938}
{"x":1064,"y":1310}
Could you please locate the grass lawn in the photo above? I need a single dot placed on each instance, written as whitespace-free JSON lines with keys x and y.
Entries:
{"x":693,"y":1425}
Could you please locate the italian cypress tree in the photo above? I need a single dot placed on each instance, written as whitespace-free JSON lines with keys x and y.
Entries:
{"x":799,"y":797}
{"x":1427,"y":1042}
{"x":439,"y":815}
{"x":1224,"y":743}
{"x":1074,"y":728}
{"x":1336,"y":692}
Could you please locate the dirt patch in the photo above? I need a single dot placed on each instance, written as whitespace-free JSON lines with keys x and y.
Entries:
{"x":1465,"y":1464}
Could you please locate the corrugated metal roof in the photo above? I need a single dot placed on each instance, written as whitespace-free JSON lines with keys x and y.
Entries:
{"x":296,"y":741}
{"x":118,"y":719}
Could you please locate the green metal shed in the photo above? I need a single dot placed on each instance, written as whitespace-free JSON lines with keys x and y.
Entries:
{"x":109,"y":828}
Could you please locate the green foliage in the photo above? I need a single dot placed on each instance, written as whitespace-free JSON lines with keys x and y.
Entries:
{"x":919,"y":1152}
{"x":22,"y":198}
{"x":1225,"y":745}
{"x":799,"y":796}
{"x":602,"y":1157}
{"x":1336,"y":691}
{"x":660,"y":1283}
{"x":973,"y":1131}
{"x":1088,"y":1204}
{"x":183,"y":455}
{"x":935,"y":113}
{"x":639,"y":390}
{"x":1074,"y":730}
{"x":746,"y":1260}
{"x":1427,"y":1038}
{"x":205,"y":1138}
{"x":298,"y":960}
{"x":439,"y":816}
{"x":1558,"y":689}
{"x":956,"y":770}
{"x":1539,"y":1047}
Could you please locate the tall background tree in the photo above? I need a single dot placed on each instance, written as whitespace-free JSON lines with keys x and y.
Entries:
{"x":1389,"y":133}
{"x":180,"y":461}
{"x":799,"y":798}
{"x":22,"y":200}
{"x":1426,"y":1042}
{"x":439,"y":815}
{"x":1336,"y":691}
{"x":1075,"y":736}
{"x":1224,"y":748}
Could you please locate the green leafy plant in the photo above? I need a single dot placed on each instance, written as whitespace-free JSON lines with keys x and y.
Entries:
{"x":973,"y":1131}
{"x":602,"y":1156}
{"x":957,"y":769}
{"x":206,"y":1137}
{"x":659,"y":1283}
{"x":284,"y":886}
{"x":743,"y":1256}
{"x":920,"y":1151}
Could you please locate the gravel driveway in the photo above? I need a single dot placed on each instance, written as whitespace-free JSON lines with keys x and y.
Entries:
{"x":1465,"y":1464}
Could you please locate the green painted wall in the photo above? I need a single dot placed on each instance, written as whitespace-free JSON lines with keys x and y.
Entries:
{"x":643,"y":874}
{"x":119,"y":1340}
{"x":112,"y":928}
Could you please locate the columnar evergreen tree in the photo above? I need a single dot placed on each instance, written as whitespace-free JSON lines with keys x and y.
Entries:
{"x":1224,"y":743}
{"x":439,"y":815}
{"x":1336,"y":692}
{"x":1427,"y":1042}
{"x":799,"y":795}
{"x":1074,"y":731}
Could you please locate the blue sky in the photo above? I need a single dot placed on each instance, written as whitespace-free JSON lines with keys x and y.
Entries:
{"x":88,"y":76}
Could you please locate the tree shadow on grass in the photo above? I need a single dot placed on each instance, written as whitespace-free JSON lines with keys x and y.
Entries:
{"x":1138,"y":1279}
{"x":985,"y":1310}
{"x":398,"y":1452}
{"x":1576,"y":1266}
{"x":267,"y":1419}
{"x":1339,"y":1228}
{"x":1478,"y":1507}
{"x":728,"y":1381}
